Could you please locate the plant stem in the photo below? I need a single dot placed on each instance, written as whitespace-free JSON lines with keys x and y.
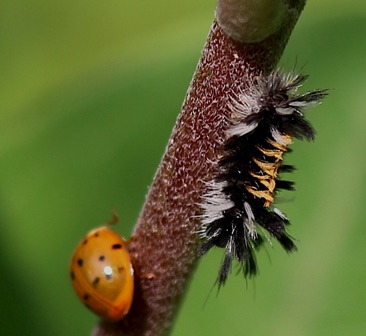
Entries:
{"x":165,"y":237}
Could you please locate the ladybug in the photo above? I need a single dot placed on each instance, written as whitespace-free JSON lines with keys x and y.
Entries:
{"x":102,"y":273}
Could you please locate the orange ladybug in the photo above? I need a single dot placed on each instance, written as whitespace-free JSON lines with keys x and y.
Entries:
{"x":102,"y":273}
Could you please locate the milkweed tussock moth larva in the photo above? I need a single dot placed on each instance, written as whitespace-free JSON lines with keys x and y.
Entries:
{"x":238,"y":204}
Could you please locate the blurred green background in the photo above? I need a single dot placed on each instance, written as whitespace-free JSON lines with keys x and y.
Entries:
{"x":89,"y":93}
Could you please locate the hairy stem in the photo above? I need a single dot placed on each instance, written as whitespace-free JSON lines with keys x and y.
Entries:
{"x":165,"y":237}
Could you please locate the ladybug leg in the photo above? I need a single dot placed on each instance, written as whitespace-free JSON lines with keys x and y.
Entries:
{"x":148,"y":276}
{"x":138,"y":273}
{"x":129,"y":241}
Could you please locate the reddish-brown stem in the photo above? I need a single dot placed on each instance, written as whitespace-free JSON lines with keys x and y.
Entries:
{"x":165,"y":237}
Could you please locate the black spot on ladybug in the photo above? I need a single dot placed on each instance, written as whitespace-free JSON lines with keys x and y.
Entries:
{"x":85,"y":241}
{"x":95,"y":281}
{"x":121,"y":269}
{"x":86,"y":297}
{"x":72,"y":275}
{"x":80,"y":262}
{"x":116,"y":246}
{"x":101,"y":258}
{"x":96,"y":234}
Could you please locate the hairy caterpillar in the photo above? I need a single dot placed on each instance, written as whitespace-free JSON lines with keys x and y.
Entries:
{"x":239,"y":201}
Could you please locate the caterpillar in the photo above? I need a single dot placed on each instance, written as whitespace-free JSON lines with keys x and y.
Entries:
{"x":237,"y":209}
